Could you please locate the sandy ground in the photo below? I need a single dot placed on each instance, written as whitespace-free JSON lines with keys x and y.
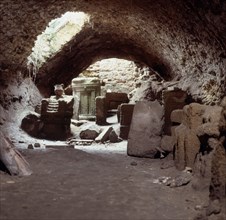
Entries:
{"x":97,"y":182}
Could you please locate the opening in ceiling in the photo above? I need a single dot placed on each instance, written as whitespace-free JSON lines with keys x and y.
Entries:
{"x":58,"y":32}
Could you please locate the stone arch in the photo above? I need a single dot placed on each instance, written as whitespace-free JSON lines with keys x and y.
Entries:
{"x":188,"y":38}
{"x":90,"y":45}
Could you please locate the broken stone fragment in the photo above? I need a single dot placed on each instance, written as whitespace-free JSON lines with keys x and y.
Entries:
{"x":30,"y":146}
{"x":192,"y":117}
{"x":180,"y":180}
{"x":37,"y":145}
{"x":104,"y":135}
{"x":90,"y":131}
{"x":32,"y":124}
{"x":213,"y":122}
{"x":113,"y":137}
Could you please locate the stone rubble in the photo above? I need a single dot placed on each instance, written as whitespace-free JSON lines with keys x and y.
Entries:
{"x":200,"y":145}
{"x":89,"y":131}
{"x":104,"y":135}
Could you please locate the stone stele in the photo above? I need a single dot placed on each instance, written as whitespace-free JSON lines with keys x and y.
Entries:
{"x":146,"y":128}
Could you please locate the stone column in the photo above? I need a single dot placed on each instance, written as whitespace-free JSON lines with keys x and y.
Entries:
{"x":101,"y":110}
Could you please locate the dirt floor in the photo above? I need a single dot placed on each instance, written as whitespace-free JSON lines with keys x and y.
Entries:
{"x":95,"y":182}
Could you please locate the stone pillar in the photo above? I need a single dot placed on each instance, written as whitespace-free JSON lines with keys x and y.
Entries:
{"x":101,"y":110}
{"x":126,"y":113}
{"x":172,"y":99}
{"x":85,"y":90}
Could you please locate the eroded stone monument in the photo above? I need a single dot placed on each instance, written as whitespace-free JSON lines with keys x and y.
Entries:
{"x":85,"y":91}
{"x":146,"y":128}
{"x":56,"y":114}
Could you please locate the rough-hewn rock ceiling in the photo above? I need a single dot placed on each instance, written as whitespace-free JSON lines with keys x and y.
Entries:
{"x":182,"y":40}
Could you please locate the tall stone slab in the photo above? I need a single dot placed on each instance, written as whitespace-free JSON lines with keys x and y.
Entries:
{"x":125,"y":118}
{"x":146,"y":129}
{"x":101,"y":111}
{"x":186,"y":148}
{"x":173,"y":98}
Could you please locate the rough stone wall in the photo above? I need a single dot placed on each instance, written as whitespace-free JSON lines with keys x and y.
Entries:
{"x":18,"y":94}
{"x":117,"y":75}
{"x":183,"y":40}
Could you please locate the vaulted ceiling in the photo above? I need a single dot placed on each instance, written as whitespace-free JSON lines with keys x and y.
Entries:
{"x":182,"y":40}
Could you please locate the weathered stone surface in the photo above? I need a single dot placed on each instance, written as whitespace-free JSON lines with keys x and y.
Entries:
{"x":202,"y":171}
{"x":193,"y":115}
{"x":125,"y":117}
{"x":101,"y":111}
{"x":175,"y":99}
{"x":213,"y":122}
{"x":85,"y":90}
{"x":180,"y":161}
{"x":198,"y":121}
{"x":186,"y":148}
{"x":78,"y":123}
{"x":192,"y":147}
{"x":113,"y":137}
{"x":223,"y":103}
{"x":146,"y":129}
{"x":126,"y":113}
{"x":218,"y":170}
{"x":56,"y":114}
{"x":176,"y":116}
{"x":201,"y":137}
{"x":124,"y":78}
{"x":89,"y":132}
{"x":104,"y":135}
{"x":173,"y":128}
{"x":167,"y":143}
{"x":213,"y":125}
{"x":180,"y":180}
{"x":124,"y":132}
{"x":114,"y":99}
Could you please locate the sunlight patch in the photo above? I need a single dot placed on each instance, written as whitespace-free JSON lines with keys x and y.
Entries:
{"x":58,"y":32}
